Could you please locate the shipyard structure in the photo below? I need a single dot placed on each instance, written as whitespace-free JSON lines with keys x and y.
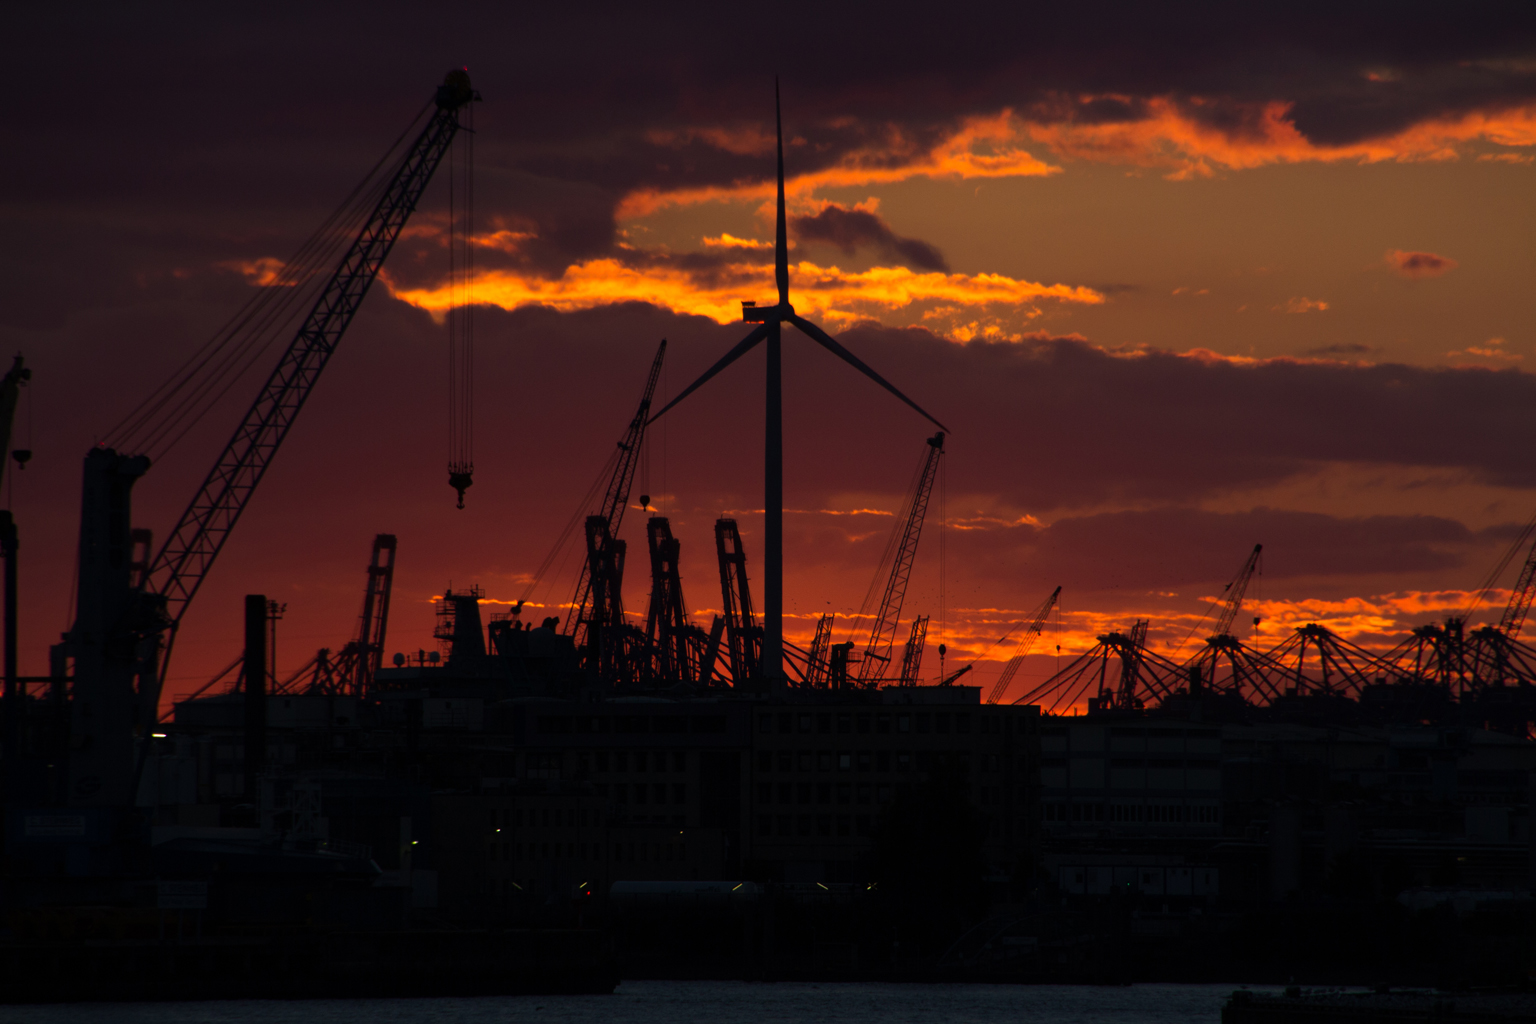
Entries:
{"x":550,"y":797}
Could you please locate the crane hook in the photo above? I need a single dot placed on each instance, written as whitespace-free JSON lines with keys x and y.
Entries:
{"x":460,"y":479}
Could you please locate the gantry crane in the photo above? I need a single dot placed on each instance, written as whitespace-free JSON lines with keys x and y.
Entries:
{"x":126,"y":621}
{"x":1032,"y":631}
{"x":743,"y":636}
{"x":877,"y":653}
{"x":667,"y":629}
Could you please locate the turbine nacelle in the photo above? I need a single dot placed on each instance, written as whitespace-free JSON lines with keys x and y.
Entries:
{"x":752,"y":313}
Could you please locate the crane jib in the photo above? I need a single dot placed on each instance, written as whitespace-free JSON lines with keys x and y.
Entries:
{"x":179,"y":569}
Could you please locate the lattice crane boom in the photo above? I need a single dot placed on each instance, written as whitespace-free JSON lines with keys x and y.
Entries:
{"x":1235,"y":591}
{"x":183,"y":563}
{"x":616,"y":497}
{"x":1032,"y":633}
{"x":881,"y":638}
{"x":1520,"y":600}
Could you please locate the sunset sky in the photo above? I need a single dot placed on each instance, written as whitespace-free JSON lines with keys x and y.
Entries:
{"x":1181,"y":278}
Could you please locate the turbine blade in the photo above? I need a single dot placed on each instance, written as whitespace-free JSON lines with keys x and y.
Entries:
{"x":830,"y":344}
{"x":730,"y":357}
{"x":781,"y":239}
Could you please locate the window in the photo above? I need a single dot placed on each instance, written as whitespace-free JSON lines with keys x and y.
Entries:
{"x":883,"y":761}
{"x":845,"y":761}
{"x":922,"y":722}
{"x":602,"y":760}
{"x":903,"y":723}
{"x":765,"y":723}
{"x":659,"y":792}
{"x":786,"y":761}
{"x":823,"y":792}
{"x":543,"y":766}
{"x":941,"y":722}
{"x":863,"y":721}
{"x":805,"y":793}
{"x":806,"y":761}
{"x":844,"y":825}
{"x":621,"y":761}
{"x":784,"y":829}
{"x":903,"y":760}
{"x":844,"y":793}
{"x":786,"y":790}
{"x":844,"y":724}
{"x":640,"y":760}
{"x":785,"y":722}
{"x":864,"y":792}
{"x":765,"y":760}
{"x":861,"y":825}
{"x":883,"y":724}
{"x":765,"y":825}
{"x":679,"y":761}
{"x":641,"y":792}
{"x":823,"y":824}
{"x":962,"y":723}
{"x":805,"y":824}
{"x":824,"y":722}
{"x":824,"y":760}
{"x":805,"y":723}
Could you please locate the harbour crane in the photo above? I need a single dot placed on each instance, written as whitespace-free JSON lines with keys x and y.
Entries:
{"x":1032,"y":631}
{"x":743,"y":635}
{"x":1520,"y":598}
{"x":882,"y":636}
{"x":126,"y":617}
{"x":599,"y":601}
{"x":1235,"y":592}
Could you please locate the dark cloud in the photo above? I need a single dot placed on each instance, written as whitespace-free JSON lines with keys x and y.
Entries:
{"x":1178,"y":547}
{"x":852,"y":229}
{"x":1419,"y":264}
{"x":199,"y":124}
{"x":1342,"y":350}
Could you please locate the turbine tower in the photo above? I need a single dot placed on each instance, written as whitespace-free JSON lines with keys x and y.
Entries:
{"x":770,"y":320}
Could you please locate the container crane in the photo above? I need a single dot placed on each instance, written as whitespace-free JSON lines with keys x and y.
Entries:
{"x":743,"y":636}
{"x":126,"y":622}
{"x":881,"y":638}
{"x":1032,"y":631}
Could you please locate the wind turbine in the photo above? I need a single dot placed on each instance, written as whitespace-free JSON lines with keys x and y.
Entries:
{"x":770,"y":319}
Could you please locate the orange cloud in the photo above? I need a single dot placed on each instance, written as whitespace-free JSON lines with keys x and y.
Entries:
{"x":262,"y":272}
{"x":1491,"y":350}
{"x":1302,"y":304}
{"x":827,"y":292}
{"x":1171,"y":136}
{"x":983,"y":147}
{"x":1419,"y":264}
{"x":730,"y":241}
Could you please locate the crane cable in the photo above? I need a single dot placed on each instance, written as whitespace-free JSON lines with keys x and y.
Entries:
{"x":196,"y":387}
{"x":461,"y":325}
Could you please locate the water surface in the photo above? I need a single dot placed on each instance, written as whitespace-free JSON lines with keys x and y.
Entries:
{"x":694,"y":1002}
